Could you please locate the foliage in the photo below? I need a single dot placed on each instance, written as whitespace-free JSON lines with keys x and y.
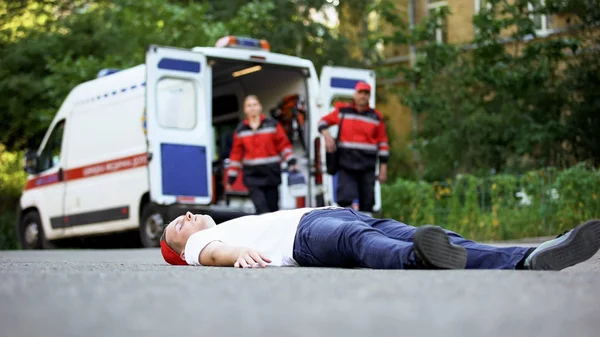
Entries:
{"x":12,"y":181}
{"x":500,"y":207}
{"x":504,"y":102}
{"x":48,"y":47}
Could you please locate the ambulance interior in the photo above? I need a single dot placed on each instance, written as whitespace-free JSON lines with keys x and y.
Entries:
{"x":282,"y":92}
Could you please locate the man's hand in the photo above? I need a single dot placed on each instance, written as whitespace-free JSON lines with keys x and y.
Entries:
{"x":382,"y":173}
{"x":329,"y":141}
{"x":250,"y":258}
{"x":228,"y":187}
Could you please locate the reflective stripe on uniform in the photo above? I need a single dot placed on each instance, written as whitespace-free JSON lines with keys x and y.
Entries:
{"x":235,"y":164}
{"x":248,"y":133}
{"x":261,"y":161}
{"x":358,"y":146}
{"x":366,"y":119}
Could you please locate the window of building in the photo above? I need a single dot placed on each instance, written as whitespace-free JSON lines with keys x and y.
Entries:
{"x":481,"y":4}
{"x":541,"y":21}
{"x":441,"y":34}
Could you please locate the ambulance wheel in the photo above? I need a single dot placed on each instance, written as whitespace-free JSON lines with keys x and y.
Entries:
{"x":31,"y":232}
{"x":152,"y":224}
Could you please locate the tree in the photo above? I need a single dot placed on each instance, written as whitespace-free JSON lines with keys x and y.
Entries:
{"x":47,"y":47}
{"x":494,"y":106}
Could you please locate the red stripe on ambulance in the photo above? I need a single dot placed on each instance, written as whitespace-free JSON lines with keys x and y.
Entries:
{"x":40,"y":181}
{"x":93,"y":170}
{"x":107,"y":167}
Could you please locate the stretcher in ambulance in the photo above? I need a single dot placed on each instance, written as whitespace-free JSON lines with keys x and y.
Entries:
{"x":134,"y":148}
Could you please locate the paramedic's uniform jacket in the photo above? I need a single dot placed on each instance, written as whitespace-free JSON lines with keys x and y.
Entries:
{"x":259,"y":152}
{"x":363,"y":137}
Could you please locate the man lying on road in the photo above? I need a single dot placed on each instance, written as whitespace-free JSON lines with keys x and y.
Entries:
{"x":345,"y":238}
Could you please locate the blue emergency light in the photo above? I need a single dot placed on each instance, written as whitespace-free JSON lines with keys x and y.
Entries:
{"x":106,"y":72}
{"x":242,"y":42}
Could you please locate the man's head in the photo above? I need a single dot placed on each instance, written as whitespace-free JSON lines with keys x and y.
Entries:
{"x":176,"y":234}
{"x":362,"y":93}
{"x":252,"y":107}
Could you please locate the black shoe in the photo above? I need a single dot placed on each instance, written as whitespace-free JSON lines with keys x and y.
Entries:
{"x":567,"y":249}
{"x":434,"y":250}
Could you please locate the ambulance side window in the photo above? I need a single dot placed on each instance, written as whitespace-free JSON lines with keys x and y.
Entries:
{"x":50,"y":155}
{"x":176,"y":102}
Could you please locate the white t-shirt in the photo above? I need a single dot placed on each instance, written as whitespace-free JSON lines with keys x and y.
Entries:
{"x":271,"y":234}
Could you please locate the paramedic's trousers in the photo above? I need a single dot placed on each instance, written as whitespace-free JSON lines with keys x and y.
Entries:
{"x":353,"y":184}
{"x":346,"y":238}
{"x":264,"y":198}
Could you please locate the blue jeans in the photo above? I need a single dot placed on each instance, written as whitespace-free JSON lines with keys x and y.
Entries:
{"x":345,"y":238}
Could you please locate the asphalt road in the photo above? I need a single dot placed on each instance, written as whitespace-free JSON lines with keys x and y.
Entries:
{"x":133,"y":293}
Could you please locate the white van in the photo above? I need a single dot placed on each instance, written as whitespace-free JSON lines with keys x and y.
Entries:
{"x":133,"y":149}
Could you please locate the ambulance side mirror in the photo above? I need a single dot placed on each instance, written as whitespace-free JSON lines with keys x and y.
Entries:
{"x":30,"y":162}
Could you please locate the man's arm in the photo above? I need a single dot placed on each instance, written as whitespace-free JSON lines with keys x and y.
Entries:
{"x":284,"y":147}
{"x":330,"y":119}
{"x":217,"y":253}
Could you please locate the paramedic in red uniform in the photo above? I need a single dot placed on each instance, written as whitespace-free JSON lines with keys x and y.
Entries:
{"x":362,"y":140}
{"x":259,"y":144}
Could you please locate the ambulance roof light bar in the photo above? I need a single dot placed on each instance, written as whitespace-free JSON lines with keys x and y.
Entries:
{"x":242,"y":42}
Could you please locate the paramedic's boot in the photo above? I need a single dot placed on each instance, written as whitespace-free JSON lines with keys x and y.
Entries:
{"x":568,"y":249}
{"x":433,"y":249}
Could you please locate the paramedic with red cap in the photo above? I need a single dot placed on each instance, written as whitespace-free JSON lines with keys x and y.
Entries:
{"x":259,"y":144}
{"x":346,"y":238}
{"x":362,"y":140}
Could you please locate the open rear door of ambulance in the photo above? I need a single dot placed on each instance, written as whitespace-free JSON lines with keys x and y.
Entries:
{"x":178,"y":118}
{"x":337,"y":84}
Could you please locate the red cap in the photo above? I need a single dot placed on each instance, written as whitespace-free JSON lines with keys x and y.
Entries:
{"x":362,"y":86}
{"x":169,"y":254}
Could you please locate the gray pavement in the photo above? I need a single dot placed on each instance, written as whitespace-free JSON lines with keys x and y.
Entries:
{"x":133,"y":293}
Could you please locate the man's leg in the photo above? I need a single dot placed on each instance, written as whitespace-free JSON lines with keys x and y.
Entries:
{"x":336,"y":238}
{"x":478,"y":256}
{"x":272,"y":195}
{"x":568,"y":249}
{"x":258,"y":199}
{"x":347,"y":188}
{"x":366,"y":191}
{"x":571,"y":248}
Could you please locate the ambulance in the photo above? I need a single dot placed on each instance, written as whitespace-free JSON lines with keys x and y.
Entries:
{"x":132,"y":149}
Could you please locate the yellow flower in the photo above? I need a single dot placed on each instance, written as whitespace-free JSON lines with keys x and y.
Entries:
{"x":493,"y":186}
{"x":495,"y":222}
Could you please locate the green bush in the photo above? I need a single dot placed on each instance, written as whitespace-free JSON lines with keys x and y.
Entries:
{"x":501,"y":207}
{"x":12,"y":180}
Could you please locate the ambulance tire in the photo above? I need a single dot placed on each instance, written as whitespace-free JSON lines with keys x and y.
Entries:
{"x":152,"y":224}
{"x":31,"y":233}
